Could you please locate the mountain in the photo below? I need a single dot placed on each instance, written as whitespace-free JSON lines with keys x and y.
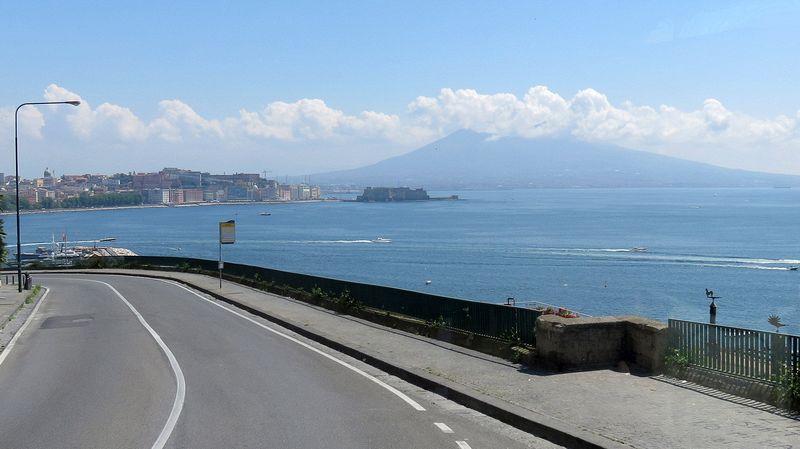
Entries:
{"x":470,"y":160}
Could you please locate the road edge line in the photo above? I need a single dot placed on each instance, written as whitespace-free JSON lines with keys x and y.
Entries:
{"x":180,"y":393}
{"x":542,"y":426}
{"x":361,"y":372}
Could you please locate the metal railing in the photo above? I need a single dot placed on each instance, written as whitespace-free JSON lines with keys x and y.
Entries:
{"x":502,"y":322}
{"x":737,"y":351}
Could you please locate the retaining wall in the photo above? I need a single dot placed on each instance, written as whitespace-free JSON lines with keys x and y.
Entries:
{"x":600,"y":342}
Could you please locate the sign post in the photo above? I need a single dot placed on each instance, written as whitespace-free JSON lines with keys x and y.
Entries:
{"x":227,"y":236}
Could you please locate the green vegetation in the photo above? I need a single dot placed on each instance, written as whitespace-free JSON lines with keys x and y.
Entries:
{"x":511,"y":335}
{"x":84,"y":200}
{"x":788,"y":389}
{"x":318,"y":293}
{"x":438,"y":323}
{"x":34,"y":292}
{"x":674,"y":361}
{"x":102,"y":200}
{"x":344,"y":302}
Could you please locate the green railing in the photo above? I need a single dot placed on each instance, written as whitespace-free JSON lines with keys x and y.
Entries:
{"x":741,"y":352}
{"x":503,"y":322}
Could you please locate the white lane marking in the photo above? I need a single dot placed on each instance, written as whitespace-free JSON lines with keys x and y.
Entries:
{"x":396,"y":392}
{"x":443,"y":427}
{"x":13,"y":341}
{"x":463,"y":445}
{"x":180,"y":394}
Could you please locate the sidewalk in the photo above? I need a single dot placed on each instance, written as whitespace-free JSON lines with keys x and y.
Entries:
{"x":13,"y":310}
{"x":10,"y":302}
{"x":600,"y":408}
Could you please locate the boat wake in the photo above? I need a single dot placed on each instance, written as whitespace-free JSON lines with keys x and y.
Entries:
{"x":640,"y":255}
{"x":332,"y":242}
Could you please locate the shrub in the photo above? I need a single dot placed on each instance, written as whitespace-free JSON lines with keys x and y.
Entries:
{"x":344,"y":302}
{"x":674,"y":361}
{"x":788,"y":389}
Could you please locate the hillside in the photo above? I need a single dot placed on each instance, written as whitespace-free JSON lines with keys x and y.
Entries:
{"x":470,"y":160}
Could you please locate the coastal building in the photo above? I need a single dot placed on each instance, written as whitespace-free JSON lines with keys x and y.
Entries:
{"x":386,"y":194}
{"x":31,"y":195}
{"x":142,"y":181}
{"x":284,"y":192}
{"x":169,"y":186}
{"x":237,"y":193}
{"x":176,"y":196}
{"x":193,"y":195}
{"x":155,"y":196}
{"x":177,"y":177}
{"x":301,"y":192}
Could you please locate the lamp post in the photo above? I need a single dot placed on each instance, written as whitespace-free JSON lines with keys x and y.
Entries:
{"x":16,"y":179}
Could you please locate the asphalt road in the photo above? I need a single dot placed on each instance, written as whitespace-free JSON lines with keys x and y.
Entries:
{"x":123,"y":362}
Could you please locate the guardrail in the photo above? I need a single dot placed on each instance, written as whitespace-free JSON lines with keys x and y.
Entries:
{"x":502,"y":322}
{"x":738,"y":351}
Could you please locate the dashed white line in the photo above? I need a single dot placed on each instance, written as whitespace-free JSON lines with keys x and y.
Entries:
{"x":395,"y":391}
{"x":13,"y":341}
{"x":463,"y":445}
{"x":180,"y":394}
{"x":443,"y":427}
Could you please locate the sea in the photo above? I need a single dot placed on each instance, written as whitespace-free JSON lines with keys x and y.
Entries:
{"x":647,"y":252}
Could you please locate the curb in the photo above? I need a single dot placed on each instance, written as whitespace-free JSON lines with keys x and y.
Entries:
{"x":537,"y":424}
{"x":7,"y":319}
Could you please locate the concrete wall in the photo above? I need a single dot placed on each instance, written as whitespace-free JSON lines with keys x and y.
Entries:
{"x":646,"y":341}
{"x":600,"y":342}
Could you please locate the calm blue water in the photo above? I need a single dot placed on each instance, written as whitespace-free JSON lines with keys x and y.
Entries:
{"x":563,"y":247}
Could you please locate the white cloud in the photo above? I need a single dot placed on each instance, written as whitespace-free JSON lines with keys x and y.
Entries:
{"x":313,"y":120}
{"x":309,"y":133}
{"x":178,"y":121}
{"x":710,"y":134}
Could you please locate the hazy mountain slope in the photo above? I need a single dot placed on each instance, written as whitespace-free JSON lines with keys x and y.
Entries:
{"x":467,"y":159}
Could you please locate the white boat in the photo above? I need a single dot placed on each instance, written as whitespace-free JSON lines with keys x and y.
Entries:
{"x":59,"y":251}
{"x":638,"y":249}
{"x":382,"y":240}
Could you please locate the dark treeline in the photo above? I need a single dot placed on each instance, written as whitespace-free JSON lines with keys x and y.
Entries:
{"x":81,"y":201}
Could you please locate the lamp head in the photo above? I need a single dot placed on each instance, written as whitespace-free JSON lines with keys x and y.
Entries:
{"x":74,"y":102}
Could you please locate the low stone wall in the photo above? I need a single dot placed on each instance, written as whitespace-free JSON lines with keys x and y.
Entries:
{"x":600,"y":342}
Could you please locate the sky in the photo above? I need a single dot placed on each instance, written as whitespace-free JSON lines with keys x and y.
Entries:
{"x":302,"y":87}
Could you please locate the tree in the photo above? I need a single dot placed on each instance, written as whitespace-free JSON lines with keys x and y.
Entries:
{"x":48,"y":203}
{"x":24,"y":204}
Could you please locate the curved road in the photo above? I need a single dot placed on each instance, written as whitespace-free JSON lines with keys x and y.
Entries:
{"x":124,"y":362}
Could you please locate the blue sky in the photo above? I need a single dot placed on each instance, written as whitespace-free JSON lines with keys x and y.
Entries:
{"x":323,"y":65}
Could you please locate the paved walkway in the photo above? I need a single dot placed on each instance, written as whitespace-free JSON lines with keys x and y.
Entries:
{"x":13,"y":309}
{"x":606,"y":408}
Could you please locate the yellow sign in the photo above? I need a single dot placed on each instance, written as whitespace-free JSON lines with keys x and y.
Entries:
{"x":227,"y":232}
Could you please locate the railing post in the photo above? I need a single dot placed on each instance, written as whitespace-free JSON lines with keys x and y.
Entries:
{"x":778,"y":344}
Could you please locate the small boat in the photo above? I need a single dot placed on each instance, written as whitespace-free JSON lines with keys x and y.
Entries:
{"x":382,"y":240}
{"x":638,"y":249}
{"x":264,"y":214}
{"x":793,"y":268}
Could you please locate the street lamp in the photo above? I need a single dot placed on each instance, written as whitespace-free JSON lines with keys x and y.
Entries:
{"x":16,"y":180}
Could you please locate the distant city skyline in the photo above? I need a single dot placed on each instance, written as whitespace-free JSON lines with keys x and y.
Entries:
{"x":310,"y":87}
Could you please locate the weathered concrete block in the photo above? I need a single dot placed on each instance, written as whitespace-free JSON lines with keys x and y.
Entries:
{"x":600,"y":342}
{"x":645,"y":343}
{"x":577,"y":343}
